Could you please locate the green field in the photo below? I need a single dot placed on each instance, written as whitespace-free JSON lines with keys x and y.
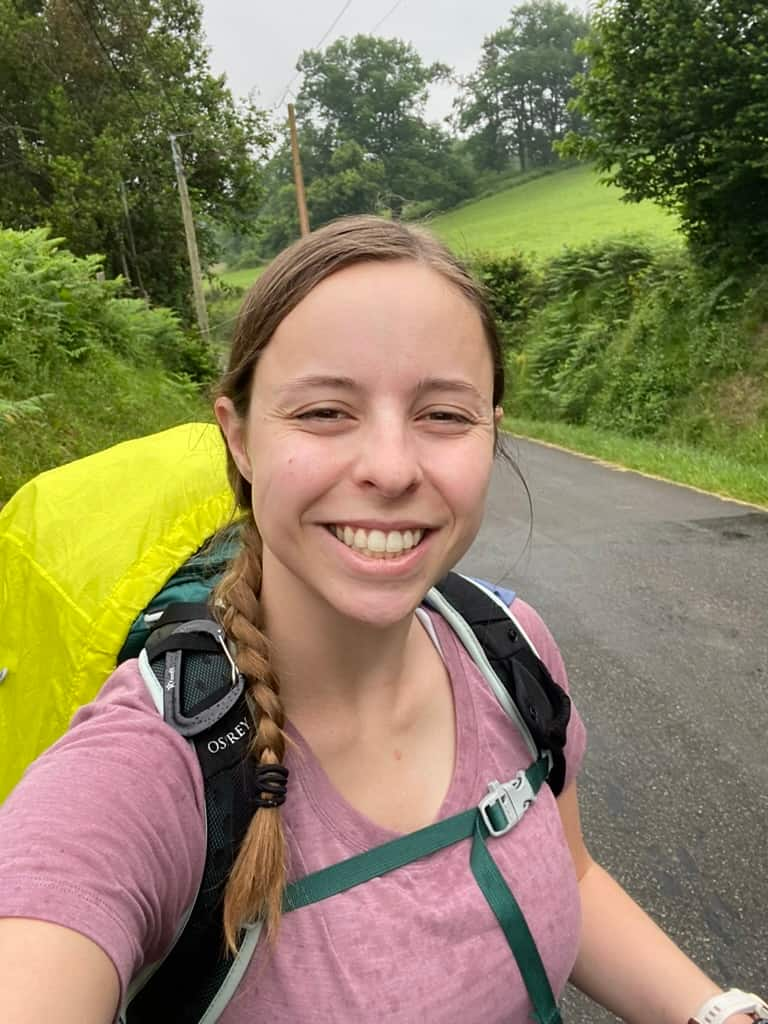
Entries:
{"x":540,"y":217}
{"x":242,"y":278}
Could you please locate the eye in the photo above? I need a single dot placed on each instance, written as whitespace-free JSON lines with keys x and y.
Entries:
{"x":323,"y":414}
{"x":448,"y":416}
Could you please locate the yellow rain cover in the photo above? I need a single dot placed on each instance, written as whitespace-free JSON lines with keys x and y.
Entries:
{"x":83,"y":549}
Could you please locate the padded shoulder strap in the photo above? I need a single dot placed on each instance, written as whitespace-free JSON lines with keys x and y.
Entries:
{"x":541,"y":703}
{"x":204,"y":700}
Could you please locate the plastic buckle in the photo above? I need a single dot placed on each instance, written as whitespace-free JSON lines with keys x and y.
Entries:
{"x":512,"y":798}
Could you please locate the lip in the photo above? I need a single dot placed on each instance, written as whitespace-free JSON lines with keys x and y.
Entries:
{"x":381,"y":567}
{"x":375,"y":524}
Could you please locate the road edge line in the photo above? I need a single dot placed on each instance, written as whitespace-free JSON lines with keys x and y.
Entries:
{"x":640,"y":472}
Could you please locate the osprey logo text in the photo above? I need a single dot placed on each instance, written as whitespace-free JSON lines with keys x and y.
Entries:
{"x":171,"y":678}
{"x":228,"y":739}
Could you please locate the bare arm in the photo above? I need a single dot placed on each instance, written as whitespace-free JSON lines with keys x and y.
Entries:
{"x":626,"y":962}
{"x":53,"y":974}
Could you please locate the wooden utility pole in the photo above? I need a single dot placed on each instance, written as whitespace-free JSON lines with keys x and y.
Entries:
{"x":189,"y":229}
{"x":298,"y":177}
{"x":131,"y":241}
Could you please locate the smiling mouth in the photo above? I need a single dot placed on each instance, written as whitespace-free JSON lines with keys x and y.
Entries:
{"x":378,"y":543}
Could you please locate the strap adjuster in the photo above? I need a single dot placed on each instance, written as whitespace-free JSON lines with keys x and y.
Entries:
{"x":505,"y":803}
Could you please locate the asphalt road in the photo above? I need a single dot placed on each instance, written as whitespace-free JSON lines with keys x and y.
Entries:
{"x":658,"y":598}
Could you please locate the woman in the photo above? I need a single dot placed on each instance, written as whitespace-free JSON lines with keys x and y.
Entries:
{"x":360,"y":412}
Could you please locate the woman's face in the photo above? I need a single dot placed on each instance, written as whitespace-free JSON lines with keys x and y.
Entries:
{"x":368,"y":442}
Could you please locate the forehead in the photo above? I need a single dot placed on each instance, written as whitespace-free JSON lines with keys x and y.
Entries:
{"x":379,"y":321}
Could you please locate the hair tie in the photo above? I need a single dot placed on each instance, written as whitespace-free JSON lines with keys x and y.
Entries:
{"x":270,"y":782}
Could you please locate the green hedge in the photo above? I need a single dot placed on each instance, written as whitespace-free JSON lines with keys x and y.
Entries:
{"x":635,"y":338}
{"x":86,"y":366}
{"x":54,"y":309}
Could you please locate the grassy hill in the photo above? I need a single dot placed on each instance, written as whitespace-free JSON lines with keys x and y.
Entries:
{"x":540,"y":217}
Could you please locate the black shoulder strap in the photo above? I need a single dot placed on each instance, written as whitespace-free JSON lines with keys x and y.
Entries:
{"x":542,"y":703}
{"x":204,"y":700}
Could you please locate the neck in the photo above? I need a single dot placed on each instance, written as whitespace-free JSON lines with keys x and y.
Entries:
{"x":327,"y":662}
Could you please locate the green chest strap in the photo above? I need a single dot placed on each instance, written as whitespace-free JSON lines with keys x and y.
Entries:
{"x":496,"y":814}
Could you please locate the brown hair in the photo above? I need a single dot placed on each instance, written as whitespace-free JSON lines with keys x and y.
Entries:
{"x":256,"y":883}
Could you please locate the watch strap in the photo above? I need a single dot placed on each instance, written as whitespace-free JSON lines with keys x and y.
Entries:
{"x":719,"y":1008}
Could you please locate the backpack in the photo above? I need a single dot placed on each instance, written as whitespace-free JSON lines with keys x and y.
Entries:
{"x":83,"y":549}
{"x":195,"y":686}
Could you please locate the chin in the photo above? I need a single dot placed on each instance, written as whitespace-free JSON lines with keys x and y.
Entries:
{"x":381,"y":609}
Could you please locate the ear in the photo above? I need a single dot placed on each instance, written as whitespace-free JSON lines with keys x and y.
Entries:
{"x":233,"y":428}
{"x":498,"y":415}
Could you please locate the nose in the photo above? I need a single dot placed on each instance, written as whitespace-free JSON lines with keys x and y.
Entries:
{"x":388,"y":459}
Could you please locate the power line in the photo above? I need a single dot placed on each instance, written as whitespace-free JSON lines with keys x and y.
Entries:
{"x":381,"y":21}
{"x":126,"y":86}
{"x":317,"y":46}
{"x":334,"y":23}
{"x":287,"y":89}
{"x":224,"y":323}
{"x":155,"y":76}
{"x":9,"y":126}
{"x":87,"y":18}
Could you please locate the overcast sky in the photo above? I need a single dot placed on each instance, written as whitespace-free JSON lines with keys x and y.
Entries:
{"x":256,"y":44}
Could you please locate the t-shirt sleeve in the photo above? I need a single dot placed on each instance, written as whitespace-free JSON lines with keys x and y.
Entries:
{"x":541,"y":638}
{"x":105,"y":833}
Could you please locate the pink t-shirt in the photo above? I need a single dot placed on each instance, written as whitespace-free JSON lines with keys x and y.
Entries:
{"x":105,"y":835}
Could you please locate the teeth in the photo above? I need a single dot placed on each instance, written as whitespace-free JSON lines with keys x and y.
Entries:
{"x":395,"y":542}
{"x":376,"y":543}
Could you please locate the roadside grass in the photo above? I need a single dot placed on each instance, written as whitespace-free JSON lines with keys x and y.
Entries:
{"x":710,"y":471}
{"x":543,"y":216}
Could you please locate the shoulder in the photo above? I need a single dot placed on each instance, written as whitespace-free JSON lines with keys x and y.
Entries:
{"x":105,"y":833}
{"x":124,"y":729}
{"x":541,"y":639}
{"x":546,"y":648}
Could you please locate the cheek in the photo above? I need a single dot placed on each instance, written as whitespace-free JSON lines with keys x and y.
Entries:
{"x":287,"y":477}
{"x":463,"y":478}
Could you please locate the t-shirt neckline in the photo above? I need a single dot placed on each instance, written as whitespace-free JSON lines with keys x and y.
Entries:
{"x":353,"y":827}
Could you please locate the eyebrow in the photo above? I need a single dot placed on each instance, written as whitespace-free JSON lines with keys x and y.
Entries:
{"x":317,"y":381}
{"x":448,"y":384}
{"x":348,"y":384}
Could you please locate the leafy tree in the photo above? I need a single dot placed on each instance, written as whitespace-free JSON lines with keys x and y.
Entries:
{"x":676,"y":93}
{"x":372,"y":92}
{"x":515,"y":105}
{"x":349,"y":183}
{"x":482,"y":108}
{"x":89,"y":91}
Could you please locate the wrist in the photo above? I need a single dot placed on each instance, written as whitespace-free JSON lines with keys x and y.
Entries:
{"x":731,"y":1007}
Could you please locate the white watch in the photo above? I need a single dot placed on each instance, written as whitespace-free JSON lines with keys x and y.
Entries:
{"x":720,"y":1008}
